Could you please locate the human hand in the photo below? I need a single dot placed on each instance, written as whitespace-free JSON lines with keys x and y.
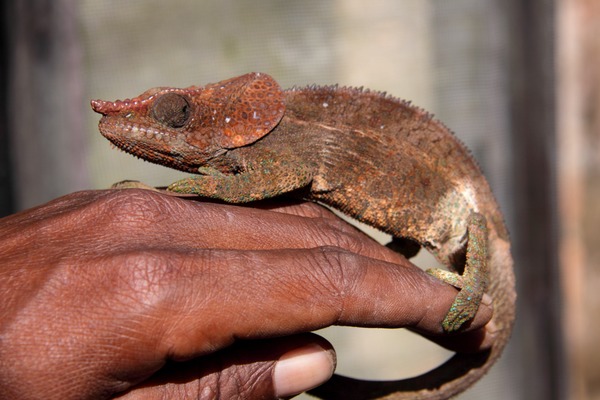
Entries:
{"x":141,"y":295}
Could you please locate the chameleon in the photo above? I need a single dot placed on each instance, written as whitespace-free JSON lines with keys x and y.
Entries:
{"x":376,"y":158}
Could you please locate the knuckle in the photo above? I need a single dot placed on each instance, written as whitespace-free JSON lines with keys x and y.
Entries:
{"x":237,"y":381}
{"x":340,"y":269}
{"x":337,"y":232}
{"x":147,"y":278}
{"x":133,"y":208}
{"x":246,"y":381}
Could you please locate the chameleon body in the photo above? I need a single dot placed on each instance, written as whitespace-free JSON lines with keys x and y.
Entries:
{"x":376,"y":158}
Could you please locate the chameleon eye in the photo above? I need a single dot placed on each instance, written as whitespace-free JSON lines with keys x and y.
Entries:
{"x":171,"y":109}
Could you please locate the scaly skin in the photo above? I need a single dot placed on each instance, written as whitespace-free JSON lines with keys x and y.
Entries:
{"x":371,"y":156}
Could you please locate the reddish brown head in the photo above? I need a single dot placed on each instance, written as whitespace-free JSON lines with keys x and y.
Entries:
{"x":183,"y":128}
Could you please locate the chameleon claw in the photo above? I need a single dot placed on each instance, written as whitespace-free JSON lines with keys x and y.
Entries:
{"x":465,"y":304}
{"x":448,"y":277}
{"x":463,"y":310}
{"x":132,"y":185}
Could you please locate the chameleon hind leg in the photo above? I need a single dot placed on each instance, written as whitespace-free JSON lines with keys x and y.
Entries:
{"x":473,"y":282}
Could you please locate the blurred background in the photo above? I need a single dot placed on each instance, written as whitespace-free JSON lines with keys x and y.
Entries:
{"x":518,"y":81}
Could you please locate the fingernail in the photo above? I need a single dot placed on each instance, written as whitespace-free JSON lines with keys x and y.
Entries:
{"x":486,"y":300}
{"x":491,"y":328}
{"x":302,"y":369}
{"x":491,"y":333}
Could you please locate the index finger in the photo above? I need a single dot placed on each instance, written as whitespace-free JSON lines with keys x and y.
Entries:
{"x":207,"y":299}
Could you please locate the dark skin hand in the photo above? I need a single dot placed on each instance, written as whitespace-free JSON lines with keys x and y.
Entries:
{"x":138,"y":294}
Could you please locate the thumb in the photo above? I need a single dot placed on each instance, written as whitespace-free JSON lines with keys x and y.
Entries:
{"x":264,"y":369}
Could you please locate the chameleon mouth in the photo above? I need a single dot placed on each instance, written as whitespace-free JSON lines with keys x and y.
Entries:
{"x":169,"y":149}
{"x":109,"y":127}
{"x":148,"y":143}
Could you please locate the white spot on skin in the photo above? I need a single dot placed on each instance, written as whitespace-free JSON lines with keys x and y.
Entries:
{"x":227,"y":119}
{"x":255,"y":115}
{"x":325,"y":105}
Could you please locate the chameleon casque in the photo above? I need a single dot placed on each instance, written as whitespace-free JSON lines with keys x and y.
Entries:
{"x":371,"y":156}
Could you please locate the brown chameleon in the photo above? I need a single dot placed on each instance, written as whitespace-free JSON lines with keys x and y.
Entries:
{"x":376,"y":158}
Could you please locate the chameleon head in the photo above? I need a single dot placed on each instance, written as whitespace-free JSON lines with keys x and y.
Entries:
{"x":183,"y":128}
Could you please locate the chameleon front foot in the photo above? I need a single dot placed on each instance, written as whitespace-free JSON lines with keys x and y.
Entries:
{"x":473,"y":282}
